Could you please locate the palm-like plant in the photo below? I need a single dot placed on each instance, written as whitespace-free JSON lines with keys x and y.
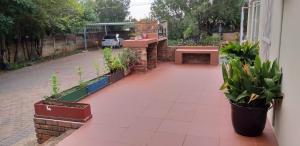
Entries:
{"x":246,"y":52}
{"x":252,"y":86}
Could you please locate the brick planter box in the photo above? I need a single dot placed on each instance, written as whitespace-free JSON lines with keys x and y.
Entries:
{"x":78,"y":112}
{"x":97,"y":84}
{"x":47,"y":128}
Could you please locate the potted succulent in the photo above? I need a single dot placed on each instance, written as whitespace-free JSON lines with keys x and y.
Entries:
{"x":251,"y":90}
{"x":56,"y":109}
{"x":128,"y":59}
{"x":98,"y":83}
{"x":114,"y":65}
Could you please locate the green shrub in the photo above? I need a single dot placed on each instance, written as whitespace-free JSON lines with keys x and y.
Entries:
{"x":128,"y":58}
{"x":116,"y":64}
{"x":215,"y":40}
{"x":80,"y":73}
{"x":253,"y":86}
{"x":97,"y":68}
{"x":112,"y":63}
{"x":107,"y":53}
{"x":246,"y":52}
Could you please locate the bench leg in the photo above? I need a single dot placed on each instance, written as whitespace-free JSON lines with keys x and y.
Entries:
{"x":178,"y":58}
{"x":214,"y":59}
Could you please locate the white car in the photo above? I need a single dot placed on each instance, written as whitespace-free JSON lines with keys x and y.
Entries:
{"x":112,"y":41}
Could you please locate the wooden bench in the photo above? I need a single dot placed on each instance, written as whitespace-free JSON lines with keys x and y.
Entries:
{"x":213,"y":52}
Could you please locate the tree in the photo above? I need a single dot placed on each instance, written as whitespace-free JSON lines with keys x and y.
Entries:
{"x":195,"y":17}
{"x":172,"y":11}
{"x":112,"y":10}
{"x":24,"y":23}
{"x":89,"y":10}
{"x":63,"y":16}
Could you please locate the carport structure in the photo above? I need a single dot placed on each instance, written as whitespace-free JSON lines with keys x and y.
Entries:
{"x":100,"y":27}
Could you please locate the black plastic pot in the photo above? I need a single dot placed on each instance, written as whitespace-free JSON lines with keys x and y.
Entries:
{"x":248,"y":121}
{"x":116,"y":76}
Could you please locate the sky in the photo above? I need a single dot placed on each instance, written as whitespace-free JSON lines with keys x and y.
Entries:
{"x":140,"y":8}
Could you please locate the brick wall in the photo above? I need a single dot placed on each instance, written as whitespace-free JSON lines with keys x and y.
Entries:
{"x":146,"y":26}
{"x":165,"y":52}
{"x":141,"y":65}
{"x":152,"y":56}
{"x":47,"y":128}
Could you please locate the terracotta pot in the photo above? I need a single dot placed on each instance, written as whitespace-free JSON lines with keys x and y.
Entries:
{"x":248,"y":121}
{"x":77,"y":112}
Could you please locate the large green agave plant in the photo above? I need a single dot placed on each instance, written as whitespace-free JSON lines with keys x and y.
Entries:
{"x":246,"y":52}
{"x":254,"y":86}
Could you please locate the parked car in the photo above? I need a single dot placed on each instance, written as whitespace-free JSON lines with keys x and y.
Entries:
{"x":112,"y":41}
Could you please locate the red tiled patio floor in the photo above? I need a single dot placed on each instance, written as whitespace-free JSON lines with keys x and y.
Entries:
{"x":173,"y":105}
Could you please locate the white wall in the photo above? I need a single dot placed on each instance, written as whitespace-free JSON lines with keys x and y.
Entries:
{"x":287,"y":117}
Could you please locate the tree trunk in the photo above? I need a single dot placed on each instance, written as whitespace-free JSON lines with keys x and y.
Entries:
{"x":2,"y":45}
{"x":17,"y":48}
{"x":8,"y":56}
{"x":24,"y":49}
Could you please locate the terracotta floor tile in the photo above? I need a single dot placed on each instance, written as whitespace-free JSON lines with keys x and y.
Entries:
{"x":203,"y":130}
{"x":231,"y":142}
{"x":172,"y":105}
{"x":229,"y":136}
{"x":267,"y":138}
{"x":136,"y":137}
{"x":157,"y":110}
{"x":166,"y":139}
{"x":144,"y":123}
{"x":182,"y":112}
{"x":170,"y":126}
{"x":110,"y":120}
{"x":200,"y":141}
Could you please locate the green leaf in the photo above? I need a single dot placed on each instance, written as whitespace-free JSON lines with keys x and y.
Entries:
{"x":269,"y":82}
{"x":243,"y":95}
{"x":257,"y":64}
{"x":224,"y":72}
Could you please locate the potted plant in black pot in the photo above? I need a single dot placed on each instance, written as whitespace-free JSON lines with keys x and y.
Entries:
{"x":114,"y":65}
{"x":251,"y":90}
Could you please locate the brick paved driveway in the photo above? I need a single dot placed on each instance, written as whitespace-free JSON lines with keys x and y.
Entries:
{"x":19,"y":89}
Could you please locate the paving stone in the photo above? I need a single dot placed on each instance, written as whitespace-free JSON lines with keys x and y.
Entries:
{"x":20,"y":89}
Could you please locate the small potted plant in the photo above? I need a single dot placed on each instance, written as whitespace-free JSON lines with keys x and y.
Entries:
{"x":98,"y":83}
{"x":251,"y":90}
{"x":114,"y":65}
{"x":55,"y":109}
